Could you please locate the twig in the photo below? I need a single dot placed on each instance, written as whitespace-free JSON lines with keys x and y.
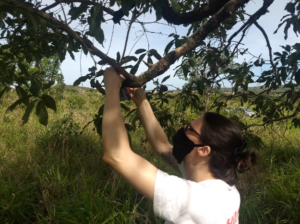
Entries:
{"x":145,"y":34}
{"x":62,"y":8}
{"x":112,"y":34}
{"x":148,"y":64}
{"x":80,"y":62}
{"x":128,"y":31}
{"x":278,"y":119}
{"x":242,"y":37}
{"x":86,"y":126}
{"x":135,"y":43}
{"x":107,"y":10}
{"x":252,"y":19}
{"x":269,"y":47}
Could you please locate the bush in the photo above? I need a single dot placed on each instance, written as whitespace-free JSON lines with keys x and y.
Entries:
{"x":76,"y":101}
{"x":60,"y":133}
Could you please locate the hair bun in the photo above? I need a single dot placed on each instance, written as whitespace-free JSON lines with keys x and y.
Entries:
{"x":248,"y":160}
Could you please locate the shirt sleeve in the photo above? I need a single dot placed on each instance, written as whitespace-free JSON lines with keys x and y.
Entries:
{"x":170,"y":197}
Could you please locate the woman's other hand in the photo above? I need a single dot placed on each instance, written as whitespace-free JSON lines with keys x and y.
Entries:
{"x":137,"y":95}
{"x":112,"y":80}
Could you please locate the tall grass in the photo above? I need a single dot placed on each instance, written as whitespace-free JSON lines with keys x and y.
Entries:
{"x":54,"y":175}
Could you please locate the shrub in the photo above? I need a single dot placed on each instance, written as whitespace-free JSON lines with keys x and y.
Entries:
{"x":76,"y":101}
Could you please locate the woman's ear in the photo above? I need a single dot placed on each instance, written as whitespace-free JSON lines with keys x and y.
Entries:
{"x":203,"y":151}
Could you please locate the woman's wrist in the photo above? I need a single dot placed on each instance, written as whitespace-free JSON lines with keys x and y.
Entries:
{"x":141,"y":102}
{"x":112,"y":91}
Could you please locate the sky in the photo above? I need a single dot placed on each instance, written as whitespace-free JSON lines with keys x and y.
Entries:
{"x":254,"y":41}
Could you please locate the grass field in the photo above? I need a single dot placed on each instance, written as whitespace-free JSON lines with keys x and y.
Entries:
{"x":54,"y":175}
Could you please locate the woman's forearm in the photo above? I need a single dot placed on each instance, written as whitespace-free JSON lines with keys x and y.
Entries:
{"x":154,"y":132}
{"x":113,"y":130}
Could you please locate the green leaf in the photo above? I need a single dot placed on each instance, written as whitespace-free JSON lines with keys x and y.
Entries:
{"x":100,"y":111}
{"x":149,"y":60}
{"x":158,"y":6}
{"x":126,"y":6}
{"x":100,"y":89}
{"x":125,"y":107}
{"x":226,"y":52}
{"x":136,"y":66}
{"x":191,"y":62}
{"x":102,"y":62}
{"x":155,"y":54}
{"x":13,"y":106}
{"x":34,"y":88}
{"x":45,"y":48}
{"x":99,"y":73}
{"x":290,"y":7}
{"x":31,"y":19}
{"x":98,"y":125}
{"x":118,"y":57}
{"x":3,"y":91}
{"x":129,"y":127}
{"x":175,"y":6}
{"x":96,"y":18}
{"x":165,"y":79}
{"x":41,"y":113}
{"x":200,"y":87}
{"x":169,"y":45}
{"x":79,"y":80}
{"x":71,"y":54}
{"x":27,"y":113}
{"x":245,"y":97}
{"x":128,"y":59}
{"x":48,"y":85}
{"x":138,"y":51}
{"x":99,"y":35}
{"x":297,"y":77}
{"x":75,"y":12}
{"x":49,"y":102}
{"x":21,"y":92}
{"x":23,"y":68}
{"x":134,"y":69}
{"x":283,"y":74}
{"x":111,"y":3}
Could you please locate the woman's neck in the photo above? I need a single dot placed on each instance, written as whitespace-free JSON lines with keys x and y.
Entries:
{"x":198,"y":174}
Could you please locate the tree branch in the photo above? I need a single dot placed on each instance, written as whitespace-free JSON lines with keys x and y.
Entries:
{"x":194,"y":41}
{"x":277,"y":119}
{"x":269,"y":47}
{"x":193,"y":16}
{"x":91,"y":48}
{"x":107,"y":10}
{"x":128,"y":31}
{"x":263,"y":10}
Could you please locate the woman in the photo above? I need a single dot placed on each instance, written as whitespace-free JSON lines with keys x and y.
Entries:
{"x":208,"y":151}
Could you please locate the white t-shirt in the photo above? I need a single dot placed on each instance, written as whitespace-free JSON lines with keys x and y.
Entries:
{"x":182,"y":201}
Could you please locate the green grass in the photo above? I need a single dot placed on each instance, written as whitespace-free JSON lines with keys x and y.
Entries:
{"x":55,"y":175}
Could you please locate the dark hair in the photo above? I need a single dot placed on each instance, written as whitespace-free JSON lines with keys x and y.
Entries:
{"x":221,"y":134}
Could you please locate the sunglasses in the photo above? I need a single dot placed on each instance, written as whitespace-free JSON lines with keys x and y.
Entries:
{"x":188,"y":127}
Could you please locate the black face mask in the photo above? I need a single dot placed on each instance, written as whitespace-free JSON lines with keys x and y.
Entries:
{"x":182,"y":145}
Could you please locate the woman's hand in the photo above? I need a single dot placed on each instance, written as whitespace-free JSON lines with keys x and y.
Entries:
{"x":112,"y":80}
{"x":137,"y":95}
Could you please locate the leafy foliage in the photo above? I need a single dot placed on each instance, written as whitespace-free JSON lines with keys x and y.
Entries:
{"x":37,"y":40}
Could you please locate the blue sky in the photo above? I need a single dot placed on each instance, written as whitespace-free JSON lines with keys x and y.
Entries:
{"x":254,"y":41}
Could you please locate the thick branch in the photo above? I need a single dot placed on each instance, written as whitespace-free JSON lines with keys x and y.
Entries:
{"x":193,"y":16}
{"x":91,"y":48}
{"x":194,"y":41}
